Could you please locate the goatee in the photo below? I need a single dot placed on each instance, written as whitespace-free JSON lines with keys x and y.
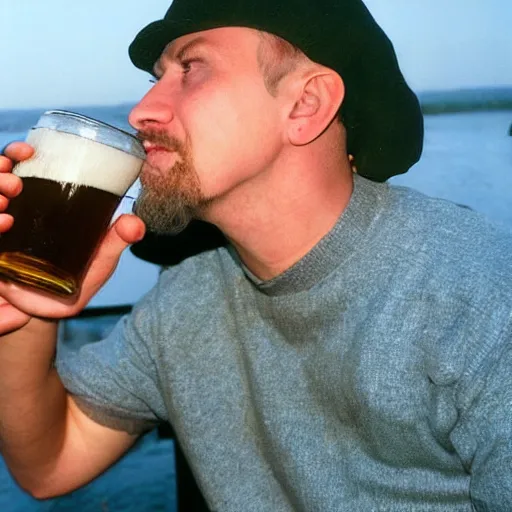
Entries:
{"x":170,"y":198}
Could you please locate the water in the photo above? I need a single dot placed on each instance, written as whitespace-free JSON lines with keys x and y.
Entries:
{"x":142,"y":481}
{"x":467,"y":159}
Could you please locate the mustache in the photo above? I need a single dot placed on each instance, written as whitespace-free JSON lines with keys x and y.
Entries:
{"x":161,"y":139}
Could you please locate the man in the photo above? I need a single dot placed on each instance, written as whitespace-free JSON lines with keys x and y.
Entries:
{"x":350,"y":348}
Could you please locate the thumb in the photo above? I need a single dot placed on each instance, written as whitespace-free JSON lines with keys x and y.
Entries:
{"x":127,"y":230}
{"x":11,"y":318}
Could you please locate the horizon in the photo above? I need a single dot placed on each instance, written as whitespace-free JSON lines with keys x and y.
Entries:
{"x":436,"y":92}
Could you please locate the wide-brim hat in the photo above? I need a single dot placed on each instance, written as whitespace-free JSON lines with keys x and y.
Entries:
{"x":380,"y":112}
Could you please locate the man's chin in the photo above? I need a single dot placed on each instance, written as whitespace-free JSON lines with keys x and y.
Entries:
{"x":164,"y":223}
{"x":163,"y":213}
{"x":150,"y":175}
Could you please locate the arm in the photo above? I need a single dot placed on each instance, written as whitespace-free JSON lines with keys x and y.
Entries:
{"x":483,"y":437}
{"x":49,"y":444}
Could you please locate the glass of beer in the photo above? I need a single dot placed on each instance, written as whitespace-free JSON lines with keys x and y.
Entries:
{"x":71,"y":188}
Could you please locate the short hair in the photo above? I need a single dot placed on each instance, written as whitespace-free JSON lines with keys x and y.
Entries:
{"x":276,"y":59}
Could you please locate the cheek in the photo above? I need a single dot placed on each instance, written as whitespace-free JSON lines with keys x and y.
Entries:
{"x":235,"y":131}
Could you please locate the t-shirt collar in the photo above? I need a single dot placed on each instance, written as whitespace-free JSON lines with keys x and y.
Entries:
{"x":339,"y":244}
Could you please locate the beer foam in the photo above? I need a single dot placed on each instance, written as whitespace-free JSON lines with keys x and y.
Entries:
{"x":68,"y":158}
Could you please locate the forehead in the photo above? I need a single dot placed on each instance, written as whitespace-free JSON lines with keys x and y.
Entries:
{"x":224,"y":41}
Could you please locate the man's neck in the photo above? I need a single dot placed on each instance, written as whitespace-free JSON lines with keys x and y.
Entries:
{"x":277,"y":218}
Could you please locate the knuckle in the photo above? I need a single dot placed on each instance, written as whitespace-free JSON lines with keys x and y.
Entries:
{"x":10,"y":183}
{"x":5,"y":162}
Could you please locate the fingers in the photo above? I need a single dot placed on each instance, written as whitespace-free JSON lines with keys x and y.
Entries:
{"x":19,"y":151}
{"x":6,"y":164}
{"x":6,"y":222}
{"x":3,"y":203}
{"x":127,"y":230}
{"x":35,"y":303}
{"x":11,"y":318}
{"x":10,"y":185}
{"x":15,"y":152}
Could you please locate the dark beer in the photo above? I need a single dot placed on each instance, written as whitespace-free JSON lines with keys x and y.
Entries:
{"x":71,"y":188}
{"x":57,"y":228}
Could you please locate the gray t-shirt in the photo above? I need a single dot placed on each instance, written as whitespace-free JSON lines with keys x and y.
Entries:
{"x":373,"y":375}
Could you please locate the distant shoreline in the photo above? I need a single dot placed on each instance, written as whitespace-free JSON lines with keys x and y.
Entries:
{"x":432,"y":103}
{"x":466,"y":100}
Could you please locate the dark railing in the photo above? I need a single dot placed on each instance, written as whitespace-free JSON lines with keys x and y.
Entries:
{"x":96,"y":312}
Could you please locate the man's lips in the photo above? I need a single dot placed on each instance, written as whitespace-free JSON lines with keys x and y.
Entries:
{"x":150,"y":148}
{"x":159,"y":159}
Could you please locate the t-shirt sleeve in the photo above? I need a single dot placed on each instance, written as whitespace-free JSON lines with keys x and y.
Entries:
{"x":483,"y":437}
{"x":115,"y":381}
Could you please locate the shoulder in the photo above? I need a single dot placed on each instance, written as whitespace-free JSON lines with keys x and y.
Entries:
{"x":449,"y":260}
{"x":453,"y":240}
{"x":206,"y":271}
{"x":195,"y":283}
{"x":186,"y":307}
{"x":453,"y":272}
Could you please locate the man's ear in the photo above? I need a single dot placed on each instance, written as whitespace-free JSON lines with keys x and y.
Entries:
{"x":320,"y":99}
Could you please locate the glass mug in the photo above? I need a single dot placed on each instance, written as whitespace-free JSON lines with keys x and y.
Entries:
{"x":72,"y":186}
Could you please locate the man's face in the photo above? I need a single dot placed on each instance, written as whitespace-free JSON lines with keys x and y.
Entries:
{"x":209,"y":125}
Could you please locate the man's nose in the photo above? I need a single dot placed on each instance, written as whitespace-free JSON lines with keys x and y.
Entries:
{"x":153,"y":109}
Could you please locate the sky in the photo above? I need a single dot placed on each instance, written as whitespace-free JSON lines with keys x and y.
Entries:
{"x":57,"y":53}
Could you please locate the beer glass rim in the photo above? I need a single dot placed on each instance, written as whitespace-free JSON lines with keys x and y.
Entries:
{"x":92,"y":129}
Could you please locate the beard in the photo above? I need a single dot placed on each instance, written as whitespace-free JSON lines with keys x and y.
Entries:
{"x":170,"y":197}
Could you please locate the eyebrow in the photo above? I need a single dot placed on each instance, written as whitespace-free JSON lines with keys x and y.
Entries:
{"x":198,"y":41}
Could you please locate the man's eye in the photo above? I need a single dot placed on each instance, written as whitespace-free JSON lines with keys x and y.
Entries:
{"x":188,"y":64}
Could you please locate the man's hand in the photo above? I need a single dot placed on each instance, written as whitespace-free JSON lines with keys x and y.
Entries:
{"x":49,"y":444}
{"x":18,"y":303}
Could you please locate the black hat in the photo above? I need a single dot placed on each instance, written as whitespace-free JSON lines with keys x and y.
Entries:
{"x":381,"y":114}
